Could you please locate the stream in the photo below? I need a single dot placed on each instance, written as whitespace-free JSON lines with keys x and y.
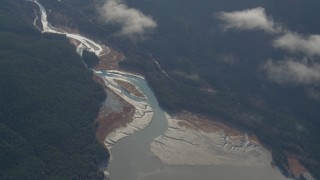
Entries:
{"x":131,"y":157}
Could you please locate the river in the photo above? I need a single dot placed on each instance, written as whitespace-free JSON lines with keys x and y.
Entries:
{"x":131,"y":157}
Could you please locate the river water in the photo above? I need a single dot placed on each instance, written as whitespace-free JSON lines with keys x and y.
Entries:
{"x":131,"y":157}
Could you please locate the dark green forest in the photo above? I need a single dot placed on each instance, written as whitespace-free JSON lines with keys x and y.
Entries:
{"x":192,"y":48}
{"x":48,"y":104}
{"x":90,"y":59}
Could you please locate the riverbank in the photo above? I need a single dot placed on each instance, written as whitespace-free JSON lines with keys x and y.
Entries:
{"x":141,"y":117}
{"x":297,"y":169}
{"x":195,"y":140}
{"x":207,"y":142}
{"x":108,"y":118}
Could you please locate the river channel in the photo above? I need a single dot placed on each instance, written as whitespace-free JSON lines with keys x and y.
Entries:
{"x":132,"y":158}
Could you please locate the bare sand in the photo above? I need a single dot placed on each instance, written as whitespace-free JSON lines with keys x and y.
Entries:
{"x":295,"y":167}
{"x":208,"y":141}
{"x":110,"y":61}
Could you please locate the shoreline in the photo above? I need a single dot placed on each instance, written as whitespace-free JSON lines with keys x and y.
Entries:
{"x":207,"y":142}
{"x":142,"y":116}
{"x":109,"y":119}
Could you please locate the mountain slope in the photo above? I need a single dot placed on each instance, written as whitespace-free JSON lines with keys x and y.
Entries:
{"x":48,"y":103}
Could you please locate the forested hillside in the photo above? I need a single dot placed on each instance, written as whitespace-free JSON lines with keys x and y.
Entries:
{"x":48,"y":104}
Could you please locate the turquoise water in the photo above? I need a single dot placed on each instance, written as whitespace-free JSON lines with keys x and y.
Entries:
{"x":131,"y":156}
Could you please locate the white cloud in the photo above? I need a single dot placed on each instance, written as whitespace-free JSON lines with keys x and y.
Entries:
{"x":256,"y":18}
{"x":292,"y":71}
{"x":249,"y":19}
{"x":132,"y":21}
{"x":294,"y":42}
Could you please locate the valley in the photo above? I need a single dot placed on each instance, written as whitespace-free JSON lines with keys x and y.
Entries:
{"x":152,"y":130}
